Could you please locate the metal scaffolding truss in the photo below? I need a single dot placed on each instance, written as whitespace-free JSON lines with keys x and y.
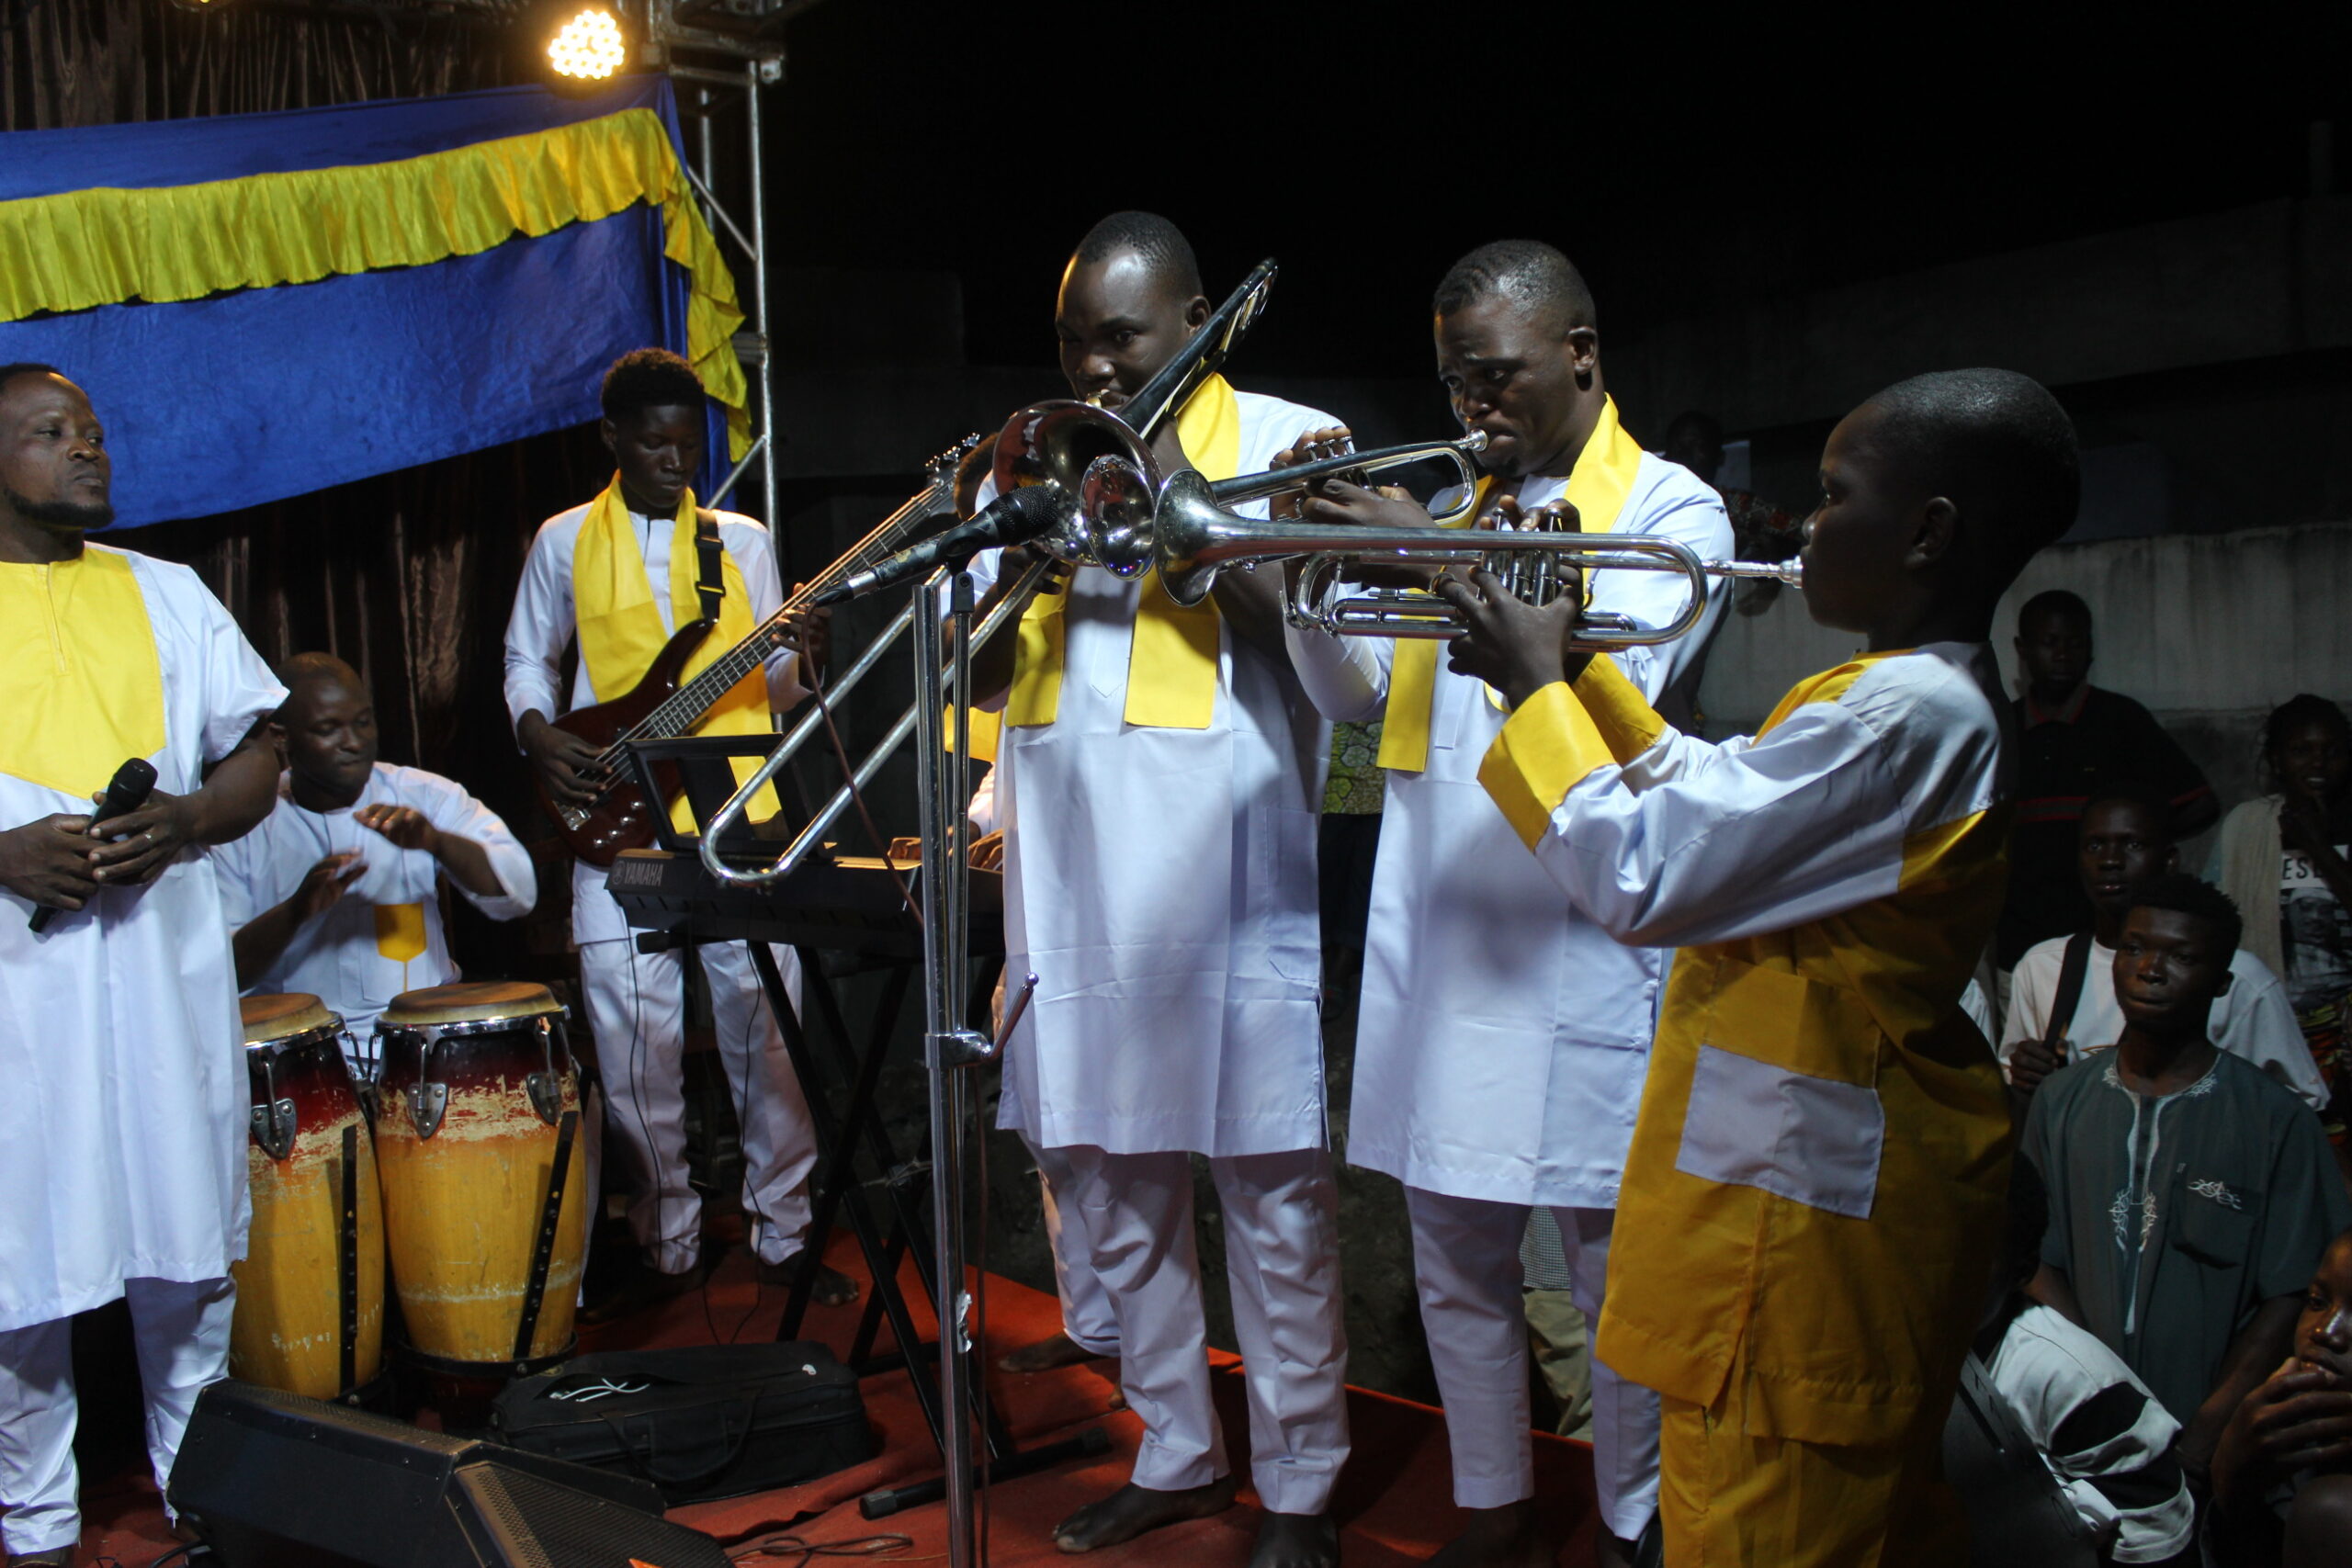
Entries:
{"x":679,"y":36}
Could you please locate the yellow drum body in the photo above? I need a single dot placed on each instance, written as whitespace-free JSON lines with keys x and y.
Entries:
{"x":477,"y":1084}
{"x":298,"y":1296}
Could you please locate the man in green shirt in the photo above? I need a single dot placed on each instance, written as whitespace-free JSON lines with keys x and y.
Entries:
{"x":2189,"y":1195}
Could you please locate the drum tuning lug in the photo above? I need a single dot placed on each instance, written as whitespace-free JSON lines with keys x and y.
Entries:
{"x":546,"y":1090}
{"x":274,"y":1128}
{"x":427,"y":1103}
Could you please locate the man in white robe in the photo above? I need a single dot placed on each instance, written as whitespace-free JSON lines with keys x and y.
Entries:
{"x":1157,"y":779}
{"x":1502,"y":1040}
{"x":122,"y":1124}
{"x":338,"y":892}
{"x":636,"y":1002}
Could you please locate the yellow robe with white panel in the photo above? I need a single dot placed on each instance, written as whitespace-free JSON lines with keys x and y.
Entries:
{"x":1818,"y":1171}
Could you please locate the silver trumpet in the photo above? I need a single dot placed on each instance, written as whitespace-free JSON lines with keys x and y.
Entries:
{"x":1192,"y":538}
{"x":1321,"y":600}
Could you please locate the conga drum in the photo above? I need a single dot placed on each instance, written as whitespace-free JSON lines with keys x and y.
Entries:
{"x":486,"y":1204}
{"x":310,"y":1317}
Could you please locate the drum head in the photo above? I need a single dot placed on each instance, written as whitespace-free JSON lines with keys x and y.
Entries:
{"x":478,"y":1001}
{"x":272,"y":1019}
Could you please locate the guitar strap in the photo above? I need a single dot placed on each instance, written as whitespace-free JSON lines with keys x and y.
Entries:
{"x":2070,"y":971}
{"x":709,"y":585}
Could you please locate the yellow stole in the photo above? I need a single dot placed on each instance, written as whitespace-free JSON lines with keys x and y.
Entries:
{"x":1598,"y":486}
{"x":1172,"y":650}
{"x":621,"y":632}
{"x":81,"y":680}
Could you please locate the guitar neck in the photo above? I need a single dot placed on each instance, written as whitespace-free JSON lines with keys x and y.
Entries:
{"x":685,"y":707}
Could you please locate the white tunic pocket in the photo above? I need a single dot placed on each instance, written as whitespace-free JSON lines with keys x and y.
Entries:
{"x":1783,"y":1094}
{"x":1814,"y":1141}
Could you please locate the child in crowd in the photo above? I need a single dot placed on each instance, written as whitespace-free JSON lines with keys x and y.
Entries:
{"x":1820,"y":1163}
{"x":2189,"y":1195}
{"x":2103,"y":1434}
{"x":2077,"y":741}
{"x":2287,"y":854}
{"x":2282,"y":1477}
{"x":2126,"y":841}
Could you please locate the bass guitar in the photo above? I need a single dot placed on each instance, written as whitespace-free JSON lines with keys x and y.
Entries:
{"x":665,"y":702}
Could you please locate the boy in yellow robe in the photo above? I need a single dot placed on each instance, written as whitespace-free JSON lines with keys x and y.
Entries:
{"x":1817,"y":1173}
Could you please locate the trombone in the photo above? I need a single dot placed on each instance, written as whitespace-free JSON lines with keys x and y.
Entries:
{"x":1054,"y":442}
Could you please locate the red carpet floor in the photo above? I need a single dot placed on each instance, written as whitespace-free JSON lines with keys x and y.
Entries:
{"x":1394,"y":1502}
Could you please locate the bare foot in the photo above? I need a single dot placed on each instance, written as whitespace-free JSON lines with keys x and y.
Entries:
{"x":1132,"y":1509}
{"x":1061,"y":1350}
{"x":1499,"y":1538}
{"x":1296,"y":1541}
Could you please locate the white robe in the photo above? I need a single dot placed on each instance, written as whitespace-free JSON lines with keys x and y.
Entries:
{"x":337,"y":957}
{"x":545,"y":622}
{"x":123,"y":1082}
{"x":1502,"y":1040}
{"x":2253,"y":1019}
{"x":1161,"y":885}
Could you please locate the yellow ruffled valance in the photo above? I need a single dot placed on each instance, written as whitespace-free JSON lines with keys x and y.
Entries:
{"x":80,"y":249}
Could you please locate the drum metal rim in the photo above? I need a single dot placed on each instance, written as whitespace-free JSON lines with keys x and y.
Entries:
{"x":428,"y":1099}
{"x":315,"y":1034}
{"x":433,"y":1033}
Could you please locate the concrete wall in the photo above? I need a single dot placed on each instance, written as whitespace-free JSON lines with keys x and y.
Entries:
{"x":2210,"y":631}
{"x":2253,"y":283}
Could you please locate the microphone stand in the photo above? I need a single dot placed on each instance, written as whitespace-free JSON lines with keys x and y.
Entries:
{"x":943,"y":786}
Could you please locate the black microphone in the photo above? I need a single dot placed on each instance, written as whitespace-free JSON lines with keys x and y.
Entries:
{"x":127,"y":791}
{"x":1030,"y":513}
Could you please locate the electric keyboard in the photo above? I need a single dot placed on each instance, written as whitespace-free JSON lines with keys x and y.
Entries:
{"x":850,"y":904}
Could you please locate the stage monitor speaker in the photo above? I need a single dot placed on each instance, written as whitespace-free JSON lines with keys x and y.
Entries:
{"x":277,"y":1481}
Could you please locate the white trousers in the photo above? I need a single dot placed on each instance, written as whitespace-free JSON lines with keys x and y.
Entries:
{"x":1087,"y":1314}
{"x":1465,"y":1260}
{"x":637,"y":1009}
{"x":1281,"y":1239}
{"x":182,"y":1332}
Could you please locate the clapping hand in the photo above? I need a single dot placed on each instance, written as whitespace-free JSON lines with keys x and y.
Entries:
{"x":405,"y":826}
{"x":323,"y":885}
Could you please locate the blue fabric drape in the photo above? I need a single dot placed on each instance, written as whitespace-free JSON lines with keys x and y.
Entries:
{"x":251,"y":397}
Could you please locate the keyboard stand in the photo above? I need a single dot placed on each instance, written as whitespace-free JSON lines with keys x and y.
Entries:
{"x":854,"y":1152}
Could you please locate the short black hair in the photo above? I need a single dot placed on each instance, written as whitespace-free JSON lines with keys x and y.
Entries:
{"x":1159,"y":243}
{"x":296,"y":667}
{"x":2134,"y":792}
{"x":1997,"y":445}
{"x":1705,"y":427}
{"x":1531,"y":274}
{"x":2053,"y":602}
{"x":2302,"y":708}
{"x":28,"y":367}
{"x":652,"y":378}
{"x":2181,"y":893}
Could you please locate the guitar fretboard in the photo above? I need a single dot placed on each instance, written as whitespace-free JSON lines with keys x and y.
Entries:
{"x":683,"y":709}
